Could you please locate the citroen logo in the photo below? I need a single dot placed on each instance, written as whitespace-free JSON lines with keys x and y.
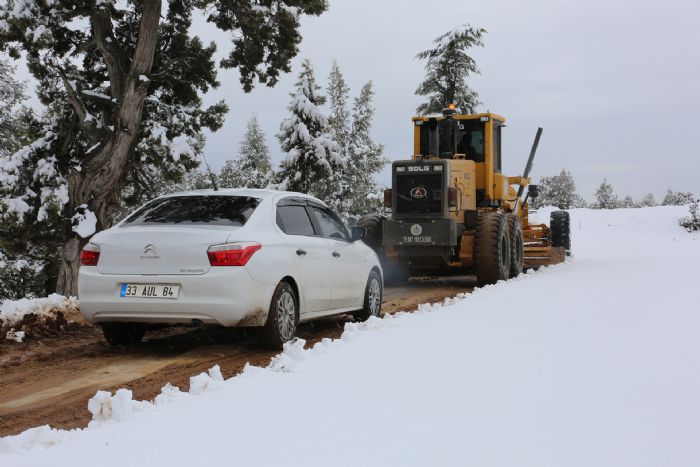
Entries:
{"x":150,"y":252}
{"x":419,"y":192}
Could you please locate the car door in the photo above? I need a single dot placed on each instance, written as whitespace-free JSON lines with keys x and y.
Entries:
{"x":310,"y":253}
{"x":347,"y":277}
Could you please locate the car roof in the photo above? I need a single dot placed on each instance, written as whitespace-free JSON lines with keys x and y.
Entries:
{"x":252,"y":192}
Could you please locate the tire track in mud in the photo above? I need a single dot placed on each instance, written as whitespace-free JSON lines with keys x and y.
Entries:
{"x":49,"y":381}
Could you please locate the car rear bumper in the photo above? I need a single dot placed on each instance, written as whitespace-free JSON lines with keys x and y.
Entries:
{"x":227,"y":296}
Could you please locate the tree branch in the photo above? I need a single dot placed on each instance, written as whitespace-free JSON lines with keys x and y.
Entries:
{"x":73,"y":98}
{"x":104,"y":37}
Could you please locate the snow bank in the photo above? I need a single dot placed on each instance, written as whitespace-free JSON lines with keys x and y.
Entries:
{"x":590,"y":362}
{"x":54,"y":309}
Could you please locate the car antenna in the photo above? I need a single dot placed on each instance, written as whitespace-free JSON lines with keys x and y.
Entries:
{"x":212,"y":177}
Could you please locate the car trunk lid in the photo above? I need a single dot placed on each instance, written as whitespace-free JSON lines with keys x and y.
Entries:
{"x":152,"y":250}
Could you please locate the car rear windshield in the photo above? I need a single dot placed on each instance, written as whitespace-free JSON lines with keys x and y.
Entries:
{"x":196,"y":210}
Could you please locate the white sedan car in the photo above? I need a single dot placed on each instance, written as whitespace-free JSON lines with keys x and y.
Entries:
{"x":235,"y":257}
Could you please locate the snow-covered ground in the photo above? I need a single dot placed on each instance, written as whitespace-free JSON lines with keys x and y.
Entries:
{"x":590,"y":363}
{"x":12,"y":312}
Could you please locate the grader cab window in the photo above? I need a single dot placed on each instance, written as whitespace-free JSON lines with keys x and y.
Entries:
{"x":471,"y":140}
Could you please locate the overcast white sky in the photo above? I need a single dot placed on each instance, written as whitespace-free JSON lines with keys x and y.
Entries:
{"x":614,"y":84}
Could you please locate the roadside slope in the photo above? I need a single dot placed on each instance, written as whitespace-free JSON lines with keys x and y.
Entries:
{"x":592,"y":362}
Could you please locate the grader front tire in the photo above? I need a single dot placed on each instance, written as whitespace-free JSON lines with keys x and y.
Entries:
{"x":492,"y":248}
{"x":560,"y":227}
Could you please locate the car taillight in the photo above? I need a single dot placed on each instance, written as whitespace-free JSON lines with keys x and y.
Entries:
{"x":387,"y":198}
{"x":232,"y":254}
{"x":89,"y":255}
{"x":452,"y":194}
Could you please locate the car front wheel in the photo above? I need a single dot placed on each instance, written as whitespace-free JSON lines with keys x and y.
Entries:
{"x":282,"y":318}
{"x":373,"y":298}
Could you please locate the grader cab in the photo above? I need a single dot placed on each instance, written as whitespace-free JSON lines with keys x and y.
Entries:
{"x":453,"y":211}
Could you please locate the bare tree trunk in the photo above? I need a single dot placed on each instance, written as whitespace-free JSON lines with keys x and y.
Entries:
{"x":99,"y":183}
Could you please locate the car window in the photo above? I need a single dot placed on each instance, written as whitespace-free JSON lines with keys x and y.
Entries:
{"x":330,"y":225}
{"x":294,"y":220}
{"x":195,"y":210}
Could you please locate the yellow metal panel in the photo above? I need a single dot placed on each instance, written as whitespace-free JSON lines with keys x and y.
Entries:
{"x":416,"y":140}
{"x":463,"y":177}
{"x":500,"y":186}
{"x":480,"y":177}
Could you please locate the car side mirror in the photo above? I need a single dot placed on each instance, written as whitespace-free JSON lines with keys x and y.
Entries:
{"x":358,"y":233}
{"x":533,"y":191}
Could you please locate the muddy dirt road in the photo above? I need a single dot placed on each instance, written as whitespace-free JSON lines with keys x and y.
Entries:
{"x":49,"y":381}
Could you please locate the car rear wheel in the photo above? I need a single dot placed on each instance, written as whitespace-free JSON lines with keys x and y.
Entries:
{"x":373,"y":298}
{"x":123,"y":334}
{"x":282,"y":318}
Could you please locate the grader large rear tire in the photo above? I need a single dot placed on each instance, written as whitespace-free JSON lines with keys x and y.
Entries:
{"x":517,"y":254}
{"x":560,"y":226}
{"x":492,"y":248}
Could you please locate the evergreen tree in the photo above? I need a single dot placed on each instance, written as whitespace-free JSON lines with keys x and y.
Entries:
{"x":678,"y":198}
{"x":28,"y":253}
{"x":605,"y":197}
{"x":339,"y":118}
{"x":691,"y":223}
{"x":252,"y":167}
{"x":122,"y":91}
{"x":447,"y":69}
{"x":648,"y":200}
{"x":336,"y":192}
{"x":312,"y":156}
{"x":366,"y":158}
{"x":628,"y":202}
{"x":558,"y":190}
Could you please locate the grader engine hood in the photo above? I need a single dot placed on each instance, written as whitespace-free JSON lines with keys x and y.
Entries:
{"x":420,"y":189}
{"x":420,"y":203}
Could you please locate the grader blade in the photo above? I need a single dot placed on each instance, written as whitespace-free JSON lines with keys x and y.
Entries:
{"x":538,"y":249}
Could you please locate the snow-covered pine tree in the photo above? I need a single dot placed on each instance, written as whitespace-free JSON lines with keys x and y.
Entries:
{"x":366,"y":158}
{"x":312,"y":156}
{"x":691,"y":223}
{"x":337,"y":192}
{"x":28,"y":251}
{"x":628,"y":202}
{"x":123,"y":82}
{"x":605,"y":197}
{"x":252,"y":168}
{"x":557,"y":190}
{"x":648,"y":200}
{"x":447,"y":69}
{"x":677,"y":198}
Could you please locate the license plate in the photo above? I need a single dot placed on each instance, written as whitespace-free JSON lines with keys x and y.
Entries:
{"x":149,"y":290}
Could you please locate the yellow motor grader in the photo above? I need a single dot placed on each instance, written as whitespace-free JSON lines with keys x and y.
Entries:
{"x":454,"y":212}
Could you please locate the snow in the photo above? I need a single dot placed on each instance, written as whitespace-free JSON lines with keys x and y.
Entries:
{"x":17,"y":336}
{"x":589,"y":363}
{"x":84,"y":222}
{"x":98,"y":95}
{"x":12,"y":311}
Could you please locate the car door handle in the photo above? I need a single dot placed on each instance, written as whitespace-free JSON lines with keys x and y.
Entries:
{"x":336,"y":254}
{"x":301,"y":252}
